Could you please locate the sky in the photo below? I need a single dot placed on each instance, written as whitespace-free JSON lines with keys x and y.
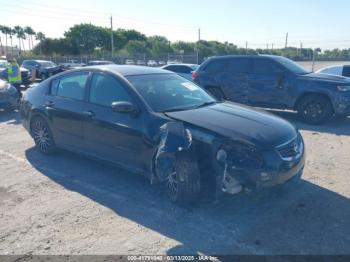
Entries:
{"x":260,"y":23}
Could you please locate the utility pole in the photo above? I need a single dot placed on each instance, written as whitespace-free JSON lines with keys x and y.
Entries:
{"x":199,"y":34}
{"x":272,"y":46}
{"x":112,"y":38}
{"x":286,"y":41}
{"x":246,"y":47}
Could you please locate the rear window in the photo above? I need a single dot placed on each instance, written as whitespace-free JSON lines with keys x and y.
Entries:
{"x":346,"y":71}
{"x":216,"y":65}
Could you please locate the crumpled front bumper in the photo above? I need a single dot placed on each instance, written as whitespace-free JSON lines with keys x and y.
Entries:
{"x":275,"y":171}
{"x":9,"y":99}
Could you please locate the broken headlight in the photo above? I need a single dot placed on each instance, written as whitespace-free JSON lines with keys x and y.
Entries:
{"x":240,"y":155}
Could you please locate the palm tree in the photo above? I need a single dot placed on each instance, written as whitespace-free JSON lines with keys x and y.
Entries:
{"x":41,"y":37}
{"x":7,"y":31}
{"x":11,"y":33}
{"x":17,"y":30}
{"x":1,"y":32}
{"x":30,"y":32}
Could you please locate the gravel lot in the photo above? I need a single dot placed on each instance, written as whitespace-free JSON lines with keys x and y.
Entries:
{"x":67,"y":204}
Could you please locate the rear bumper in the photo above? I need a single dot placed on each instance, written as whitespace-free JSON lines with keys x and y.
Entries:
{"x":8,"y":100}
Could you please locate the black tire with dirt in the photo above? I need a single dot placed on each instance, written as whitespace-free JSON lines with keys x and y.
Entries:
{"x":42,"y":136}
{"x":217,"y":93}
{"x":183,"y":185}
{"x":314,"y":109}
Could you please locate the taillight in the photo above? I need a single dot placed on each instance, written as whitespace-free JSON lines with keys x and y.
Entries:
{"x":195,"y":74}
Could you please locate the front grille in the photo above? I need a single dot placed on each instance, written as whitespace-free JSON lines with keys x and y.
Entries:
{"x":292,"y":149}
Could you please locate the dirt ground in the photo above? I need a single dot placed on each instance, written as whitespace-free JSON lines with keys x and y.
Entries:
{"x":67,"y":204}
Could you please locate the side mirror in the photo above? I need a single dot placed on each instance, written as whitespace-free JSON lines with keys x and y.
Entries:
{"x":125,"y":107}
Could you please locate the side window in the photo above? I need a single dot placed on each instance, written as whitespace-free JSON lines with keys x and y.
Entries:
{"x":72,"y":86}
{"x":216,"y":66}
{"x":346,"y":71}
{"x":239,"y":65}
{"x":105,"y":90}
{"x":171,"y":68}
{"x":265,"y":66}
{"x":185,"y":70}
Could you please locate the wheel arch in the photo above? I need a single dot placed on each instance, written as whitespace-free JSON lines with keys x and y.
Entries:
{"x":305,"y":94}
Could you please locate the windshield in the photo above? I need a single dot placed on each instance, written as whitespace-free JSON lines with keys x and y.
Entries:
{"x":290,"y":65}
{"x":170,"y":92}
{"x":3,"y":64}
{"x":47,"y":64}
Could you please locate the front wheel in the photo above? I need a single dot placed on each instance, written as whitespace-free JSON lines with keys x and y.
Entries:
{"x":42,"y":136}
{"x":314,"y":109}
{"x":183,"y":184}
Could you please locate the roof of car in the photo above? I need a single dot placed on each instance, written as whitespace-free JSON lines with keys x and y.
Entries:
{"x":181,"y":64}
{"x":129,"y":70}
{"x":39,"y":61}
{"x":243,"y":56}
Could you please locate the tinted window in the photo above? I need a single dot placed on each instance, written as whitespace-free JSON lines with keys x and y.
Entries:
{"x":346,"y":71}
{"x":72,"y":86}
{"x":105,"y":90}
{"x":290,"y":65}
{"x":239,"y":65}
{"x":265,"y":66}
{"x":216,"y":66}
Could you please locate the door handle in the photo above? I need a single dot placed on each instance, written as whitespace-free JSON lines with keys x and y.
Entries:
{"x":89,"y":114}
{"x":49,"y":104}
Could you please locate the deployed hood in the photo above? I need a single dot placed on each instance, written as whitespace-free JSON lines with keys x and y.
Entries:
{"x":234,"y":121}
{"x":326,"y":77}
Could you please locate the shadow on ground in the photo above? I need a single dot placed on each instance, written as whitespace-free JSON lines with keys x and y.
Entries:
{"x":10,"y":117}
{"x":304,"y":219}
{"x":336,"y":126}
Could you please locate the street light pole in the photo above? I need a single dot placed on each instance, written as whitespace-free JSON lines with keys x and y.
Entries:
{"x":112,"y":38}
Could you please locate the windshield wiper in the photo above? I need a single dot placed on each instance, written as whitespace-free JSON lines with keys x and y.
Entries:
{"x":206,"y":104}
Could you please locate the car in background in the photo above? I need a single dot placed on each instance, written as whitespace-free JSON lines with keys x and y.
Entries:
{"x":275,"y":82}
{"x":26,"y":75}
{"x":340,"y":70}
{"x":171,"y":62}
{"x":44,"y":69}
{"x":153,"y":122}
{"x":152,"y":63}
{"x":9,"y":96}
{"x":129,"y":62}
{"x":161,"y":63}
{"x":140,"y":62}
{"x":184,"y":70}
{"x":71,"y":64}
{"x":97,"y":62}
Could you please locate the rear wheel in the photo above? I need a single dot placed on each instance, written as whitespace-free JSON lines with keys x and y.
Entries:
{"x":216,"y":92}
{"x":183,"y":184}
{"x":314,"y":109}
{"x":42,"y":136}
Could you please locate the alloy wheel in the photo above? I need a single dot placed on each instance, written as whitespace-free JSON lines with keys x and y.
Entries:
{"x":41,"y":135}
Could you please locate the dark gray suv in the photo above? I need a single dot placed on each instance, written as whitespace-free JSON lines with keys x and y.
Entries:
{"x":275,"y":82}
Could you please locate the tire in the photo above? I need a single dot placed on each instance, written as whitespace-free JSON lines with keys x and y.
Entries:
{"x":314,"y":109}
{"x":42,"y":136}
{"x":183,"y":185}
{"x":217,"y":93}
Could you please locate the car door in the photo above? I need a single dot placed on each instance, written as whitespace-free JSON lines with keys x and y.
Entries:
{"x":268,"y":84}
{"x":235,"y":79}
{"x":112,"y":136}
{"x":65,"y":109}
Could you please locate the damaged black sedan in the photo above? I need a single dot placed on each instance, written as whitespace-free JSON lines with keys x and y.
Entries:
{"x":156,"y":123}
